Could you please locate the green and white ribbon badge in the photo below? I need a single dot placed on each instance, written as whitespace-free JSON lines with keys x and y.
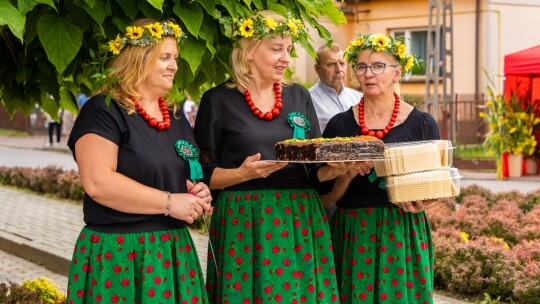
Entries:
{"x":372,"y":177}
{"x":188,"y":152}
{"x":300,"y":124}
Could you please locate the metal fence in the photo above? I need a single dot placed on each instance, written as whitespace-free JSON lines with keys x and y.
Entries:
{"x":470,"y":127}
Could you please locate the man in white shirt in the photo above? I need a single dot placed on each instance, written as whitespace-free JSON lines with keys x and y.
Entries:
{"x":329,"y":95}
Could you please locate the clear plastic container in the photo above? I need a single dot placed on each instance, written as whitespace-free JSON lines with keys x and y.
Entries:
{"x":423,"y":185}
{"x":416,"y":156}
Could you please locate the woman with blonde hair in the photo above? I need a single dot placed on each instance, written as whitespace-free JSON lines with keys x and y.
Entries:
{"x":138,"y":165}
{"x":269,"y":231}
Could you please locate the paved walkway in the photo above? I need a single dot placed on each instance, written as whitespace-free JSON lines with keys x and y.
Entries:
{"x":37,"y":234}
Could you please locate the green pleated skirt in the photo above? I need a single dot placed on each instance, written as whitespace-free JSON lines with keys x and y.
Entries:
{"x":149,"y":267}
{"x":270,"y":246}
{"x":383,"y":255}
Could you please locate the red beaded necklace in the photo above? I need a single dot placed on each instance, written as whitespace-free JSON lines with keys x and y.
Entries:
{"x":153,"y":122}
{"x":379,"y":134}
{"x":268,"y":115}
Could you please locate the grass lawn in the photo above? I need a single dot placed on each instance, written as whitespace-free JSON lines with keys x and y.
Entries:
{"x":472,"y":152}
{"x":14,"y":133}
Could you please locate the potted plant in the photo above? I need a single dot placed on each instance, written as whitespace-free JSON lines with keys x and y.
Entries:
{"x":512,"y":122}
{"x":520,"y":139}
{"x":495,"y":139}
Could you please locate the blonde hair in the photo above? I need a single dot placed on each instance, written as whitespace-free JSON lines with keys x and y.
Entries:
{"x":240,"y":65}
{"x":131,"y":66}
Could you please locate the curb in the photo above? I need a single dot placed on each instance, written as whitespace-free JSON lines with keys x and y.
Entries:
{"x":36,"y":253}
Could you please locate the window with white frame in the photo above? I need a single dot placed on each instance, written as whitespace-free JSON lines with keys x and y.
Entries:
{"x":416,"y":42}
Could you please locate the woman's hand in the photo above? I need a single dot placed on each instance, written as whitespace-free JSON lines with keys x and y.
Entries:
{"x":201,"y":190}
{"x":253,"y":168}
{"x":416,"y":206}
{"x":189,"y":206}
{"x":335,"y":169}
{"x":413,"y":207}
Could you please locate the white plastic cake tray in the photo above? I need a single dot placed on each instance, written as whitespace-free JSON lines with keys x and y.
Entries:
{"x":423,"y":185}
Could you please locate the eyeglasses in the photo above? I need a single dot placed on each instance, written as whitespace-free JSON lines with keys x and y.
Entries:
{"x":377,"y":68}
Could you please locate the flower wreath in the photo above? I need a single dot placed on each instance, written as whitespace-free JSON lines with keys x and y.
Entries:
{"x":260,"y":27}
{"x":146,"y":35}
{"x":394,"y":46}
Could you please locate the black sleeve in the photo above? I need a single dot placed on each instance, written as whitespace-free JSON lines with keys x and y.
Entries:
{"x":99,"y":118}
{"x":207,"y":132}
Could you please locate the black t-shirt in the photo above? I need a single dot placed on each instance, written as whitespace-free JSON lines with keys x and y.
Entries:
{"x":145,"y":155}
{"x":361,"y":192}
{"x":227,"y":132}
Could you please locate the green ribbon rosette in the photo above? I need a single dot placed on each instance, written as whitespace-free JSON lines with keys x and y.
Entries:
{"x":299,"y":123}
{"x":372,"y":177}
{"x":188,"y":152}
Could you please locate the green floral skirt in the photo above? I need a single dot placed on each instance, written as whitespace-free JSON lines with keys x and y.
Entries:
{"x":271,"y":246}
{"x":383,"y":255}
{"x":149,"y":267}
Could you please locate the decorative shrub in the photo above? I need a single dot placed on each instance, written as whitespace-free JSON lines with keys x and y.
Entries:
{"x":38,"y":291}
{"x":475,"y":190}
{"x":489,"y":243}
{"x":48,"y":180}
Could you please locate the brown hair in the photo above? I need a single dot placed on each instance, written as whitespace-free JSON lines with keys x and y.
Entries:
{"x":131,"y":67}
{"x":240,"y":65}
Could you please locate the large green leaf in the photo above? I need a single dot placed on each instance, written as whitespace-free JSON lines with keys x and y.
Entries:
{"x":309,"y":5}
{"x":158,"y":4}
{"x":258,"y":4}
{"x":209,"y":32}
{"x":50,"y":106}
{"x":331,"y":11}
{"x":90,"y":3}
{"x":184,"y":74}
{"x":278,"y":8}
{"x":193,"y":52}
{"x":230,"y":5}
{"x":25,"y":6}
{"x":61,"y":40}
{"x":48,"y":2}
{"x":149,"y":11}
{"x":50,"y":39}
{"x":11,"y":17}
{"x":67,"y":101}
{"x":192,"y":16}
{"x":97,"y":9}
{"x":129,"y":9}
{"x":209,"y":5}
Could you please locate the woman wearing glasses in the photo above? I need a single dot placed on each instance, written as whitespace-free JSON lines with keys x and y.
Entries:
{"x":382,"y":251}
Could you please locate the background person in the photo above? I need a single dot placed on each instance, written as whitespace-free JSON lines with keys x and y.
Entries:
{"x":55,"y":128}
{"x":269,"y":231}
{"x":330,"y":96}
{"x":390,"y":243}
{"x":135,"y":246}
{"x":190,"y":110}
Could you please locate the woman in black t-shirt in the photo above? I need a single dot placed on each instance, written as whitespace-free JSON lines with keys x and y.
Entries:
{"x":137,"y":163}
{"x":269,"y":230}
{"x":383,"y":251}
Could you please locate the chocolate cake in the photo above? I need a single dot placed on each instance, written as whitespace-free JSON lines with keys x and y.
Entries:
{"x":330,"y":149}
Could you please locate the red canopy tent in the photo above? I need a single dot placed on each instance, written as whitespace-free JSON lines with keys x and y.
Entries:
{"x":522,"y":79}
{"x":522,"y":72}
